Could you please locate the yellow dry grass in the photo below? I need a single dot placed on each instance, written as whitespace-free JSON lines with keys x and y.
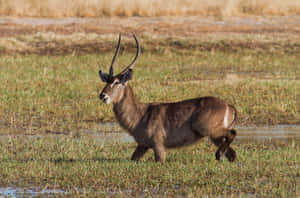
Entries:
{"x":95,"y":8}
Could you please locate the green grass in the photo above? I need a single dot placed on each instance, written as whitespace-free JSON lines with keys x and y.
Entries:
{"x":63,"y":162}
{"x":60,"y":93}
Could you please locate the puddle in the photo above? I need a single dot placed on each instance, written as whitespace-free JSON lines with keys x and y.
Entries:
{"x":16,"y":192}
{"x":113,"y":137}
{"x":29,"y":192}
{"x":279,"y":133}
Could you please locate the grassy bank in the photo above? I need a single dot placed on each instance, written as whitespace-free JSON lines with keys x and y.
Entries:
{"x":84,"y":166}
{"x":60,"y":93}
{"x":92,"y":8}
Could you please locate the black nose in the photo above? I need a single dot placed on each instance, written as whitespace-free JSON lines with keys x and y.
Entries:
{"x":101,"y":96}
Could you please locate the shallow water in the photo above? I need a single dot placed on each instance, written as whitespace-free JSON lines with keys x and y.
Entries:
{"x":15,"y":192}
{"x":279,"y":133}
{"x":29,"y":192}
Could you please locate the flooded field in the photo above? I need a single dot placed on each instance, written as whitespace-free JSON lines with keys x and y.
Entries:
{"x":68,"y":151}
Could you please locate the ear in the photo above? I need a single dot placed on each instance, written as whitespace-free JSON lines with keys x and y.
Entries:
{"x":126,"y":76}
{"x":103,"y":76}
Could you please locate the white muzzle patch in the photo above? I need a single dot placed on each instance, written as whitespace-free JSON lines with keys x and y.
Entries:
{"x":106,"y":99}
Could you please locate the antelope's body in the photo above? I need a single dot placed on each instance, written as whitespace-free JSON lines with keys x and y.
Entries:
{"x":159,"y":126}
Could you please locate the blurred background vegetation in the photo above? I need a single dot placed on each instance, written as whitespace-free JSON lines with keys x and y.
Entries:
{"x":96,"y":8}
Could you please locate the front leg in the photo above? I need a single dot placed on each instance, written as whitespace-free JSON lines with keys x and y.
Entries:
{"x":160,"y":153}
{"x":139,"y":152}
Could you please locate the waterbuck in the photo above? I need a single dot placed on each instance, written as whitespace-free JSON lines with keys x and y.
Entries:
{"x":159,"y":126}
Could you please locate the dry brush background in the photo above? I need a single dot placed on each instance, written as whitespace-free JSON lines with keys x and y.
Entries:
{"x":94,"y":8}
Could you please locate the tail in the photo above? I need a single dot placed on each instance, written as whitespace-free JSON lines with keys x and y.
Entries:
{"x":233,"y":132}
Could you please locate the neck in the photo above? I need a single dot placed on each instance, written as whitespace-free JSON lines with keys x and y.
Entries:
{"x":129,"y":111}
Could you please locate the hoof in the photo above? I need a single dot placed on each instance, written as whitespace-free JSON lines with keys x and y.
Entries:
{"x":218,"y":156}
{"x":230,"y":154}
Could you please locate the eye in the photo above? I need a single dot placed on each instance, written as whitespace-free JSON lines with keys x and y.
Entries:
{"x":116,"y":82}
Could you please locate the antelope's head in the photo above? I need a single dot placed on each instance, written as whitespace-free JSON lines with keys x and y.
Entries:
{"x":115,"y":86}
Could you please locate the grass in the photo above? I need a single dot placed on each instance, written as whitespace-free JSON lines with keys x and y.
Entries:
{"x":84,"y":164}
{"x":41,"y":94}
{"x":95,"y":8}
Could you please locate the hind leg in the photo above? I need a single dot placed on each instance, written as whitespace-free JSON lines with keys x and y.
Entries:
{"x":230,"y":154}
{"x":223,"y":143}
{"x":139,"y":152}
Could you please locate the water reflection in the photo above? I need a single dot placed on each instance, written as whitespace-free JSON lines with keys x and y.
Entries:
{"x":29,"y":192}
{"x":279,"y":133}
{"x":112,"y":133}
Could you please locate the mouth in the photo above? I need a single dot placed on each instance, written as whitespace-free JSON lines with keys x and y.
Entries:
{"x":106,"y":100}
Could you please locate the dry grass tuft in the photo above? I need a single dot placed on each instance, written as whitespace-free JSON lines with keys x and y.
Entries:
{"x":95,"y":8}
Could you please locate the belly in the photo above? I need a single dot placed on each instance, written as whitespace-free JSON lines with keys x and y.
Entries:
{"x":181,"y":137}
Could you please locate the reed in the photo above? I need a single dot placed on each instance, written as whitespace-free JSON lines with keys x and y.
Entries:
{"x":124,"y":8}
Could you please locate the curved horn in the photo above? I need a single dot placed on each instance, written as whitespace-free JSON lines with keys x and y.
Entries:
{"x":111,"y":69}
{"x":136,"y":56}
